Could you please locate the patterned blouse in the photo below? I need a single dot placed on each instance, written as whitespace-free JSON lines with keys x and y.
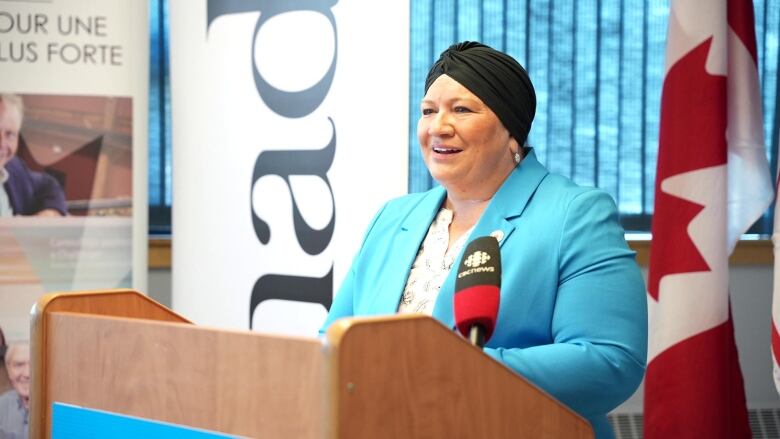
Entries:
{"x":431,"y":266}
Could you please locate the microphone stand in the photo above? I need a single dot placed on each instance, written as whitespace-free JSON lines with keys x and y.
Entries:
{"x":477,"y":336}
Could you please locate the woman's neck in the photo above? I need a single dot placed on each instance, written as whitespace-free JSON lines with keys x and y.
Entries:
{"x":466,"y":209}
{"x":467,"y":205}
{"x":465,"y":213}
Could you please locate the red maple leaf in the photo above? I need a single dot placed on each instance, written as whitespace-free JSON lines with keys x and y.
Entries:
{"x":693,"y":136}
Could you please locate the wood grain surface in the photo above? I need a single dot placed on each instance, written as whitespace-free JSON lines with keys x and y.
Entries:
{"x":411,"y":377}
{"x":233,"y":382}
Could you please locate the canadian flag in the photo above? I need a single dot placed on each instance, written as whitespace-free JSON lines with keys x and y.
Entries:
{"x":712,"y":184}
{"x":776,"y":292}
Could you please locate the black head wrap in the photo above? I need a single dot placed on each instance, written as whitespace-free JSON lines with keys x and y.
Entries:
{"x":496,"y":78}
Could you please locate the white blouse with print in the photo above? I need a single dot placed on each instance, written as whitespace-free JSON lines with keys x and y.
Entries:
{"x":431,"y":266}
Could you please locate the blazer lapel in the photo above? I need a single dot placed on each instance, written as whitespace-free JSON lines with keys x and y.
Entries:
{"x":406,"y":244}
{"x":508,"y":203}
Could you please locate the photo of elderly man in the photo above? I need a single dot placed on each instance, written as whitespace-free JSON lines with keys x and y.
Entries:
{"x":23,"y":191}
{"x":15,"y":403}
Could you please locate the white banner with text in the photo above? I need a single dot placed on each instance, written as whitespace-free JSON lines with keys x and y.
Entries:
{"x":73,"y":110}
{"x":290,"y":131}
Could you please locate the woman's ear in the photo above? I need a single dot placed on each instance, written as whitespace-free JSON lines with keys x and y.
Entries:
{"x":516,"y":151}
{"x":514,"y":146}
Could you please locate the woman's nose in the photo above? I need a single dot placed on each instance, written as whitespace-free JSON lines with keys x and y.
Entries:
{"x":441,"y":125}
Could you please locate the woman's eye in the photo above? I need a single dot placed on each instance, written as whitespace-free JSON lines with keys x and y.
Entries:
{"x":462,"y":110}
{"x":427,"y":111}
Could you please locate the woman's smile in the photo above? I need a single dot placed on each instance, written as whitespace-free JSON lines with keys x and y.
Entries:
{"x":445,"y":149}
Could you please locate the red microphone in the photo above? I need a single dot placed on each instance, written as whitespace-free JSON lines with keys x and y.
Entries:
{"x":478,"y":290}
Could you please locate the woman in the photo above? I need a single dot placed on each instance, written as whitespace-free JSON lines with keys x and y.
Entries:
{"x":573,"y":310}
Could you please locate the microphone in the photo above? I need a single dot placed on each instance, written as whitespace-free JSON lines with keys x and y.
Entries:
{"x":477,"y":290}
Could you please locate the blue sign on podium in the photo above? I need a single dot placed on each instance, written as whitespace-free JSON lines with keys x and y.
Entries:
{"x":70,"y":421}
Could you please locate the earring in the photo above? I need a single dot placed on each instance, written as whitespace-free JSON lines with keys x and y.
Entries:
{"x":517,"y":158}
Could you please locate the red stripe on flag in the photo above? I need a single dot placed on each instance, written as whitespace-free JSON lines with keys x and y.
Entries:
{"x":697,"y":389}
{"x":775,"y":343}
{"x":741,"y":21}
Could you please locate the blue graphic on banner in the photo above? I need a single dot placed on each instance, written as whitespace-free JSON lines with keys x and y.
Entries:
{"x":69,"y":421}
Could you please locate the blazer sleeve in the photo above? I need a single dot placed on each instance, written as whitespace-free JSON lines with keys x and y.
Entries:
{"x":599,"y":323}
{"x":342,"y":305}
{"x":31,"y":192}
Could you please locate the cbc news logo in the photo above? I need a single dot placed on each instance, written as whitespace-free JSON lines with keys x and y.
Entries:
{"x":476,"y":259}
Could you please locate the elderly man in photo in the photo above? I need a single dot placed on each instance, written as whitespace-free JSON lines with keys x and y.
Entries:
{"x":15,"y":403}
{"x":23,"y":192}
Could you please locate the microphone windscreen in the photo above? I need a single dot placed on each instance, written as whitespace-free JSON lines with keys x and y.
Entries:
{"x":478,"y":286}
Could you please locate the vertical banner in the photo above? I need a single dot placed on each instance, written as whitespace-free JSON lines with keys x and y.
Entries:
{"x":73,"y":113}
{"x":289,"y":133}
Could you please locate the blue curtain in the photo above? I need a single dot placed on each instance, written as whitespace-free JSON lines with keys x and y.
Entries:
{"x":159,"y":121}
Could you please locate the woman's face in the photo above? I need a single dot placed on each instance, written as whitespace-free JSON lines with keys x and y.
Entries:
{"x":465,"y":146}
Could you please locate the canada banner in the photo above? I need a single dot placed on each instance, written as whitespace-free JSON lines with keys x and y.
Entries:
{"x":712,"y":184}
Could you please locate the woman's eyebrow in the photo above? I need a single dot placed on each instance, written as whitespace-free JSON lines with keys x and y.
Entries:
{"x":451,"y":100}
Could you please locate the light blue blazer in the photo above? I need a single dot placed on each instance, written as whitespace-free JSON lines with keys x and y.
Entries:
{"x":573,"y":312}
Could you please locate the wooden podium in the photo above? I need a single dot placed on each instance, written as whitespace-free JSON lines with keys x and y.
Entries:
{"x":392,"y":377}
